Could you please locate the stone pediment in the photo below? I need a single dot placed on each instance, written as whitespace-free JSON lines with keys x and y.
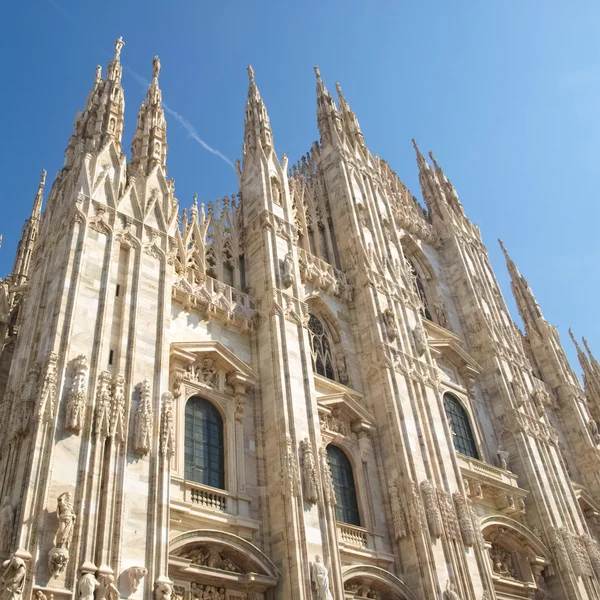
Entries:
{"x":448,"y":347}
{"x":210,"y":364}
{"x":341,"y":413}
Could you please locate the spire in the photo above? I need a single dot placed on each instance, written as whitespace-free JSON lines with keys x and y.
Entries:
{"x":349,"y":120}
{"x":257,"y":127}
{"x":590,"y":368}
{"x":103,"y":117}
{"x":328,"y":118}
{"x":149,"y":146}
{"x":528,"y":307}
{"x":29,"y":236}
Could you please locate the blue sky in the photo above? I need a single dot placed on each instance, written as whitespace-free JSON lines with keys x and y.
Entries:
{"x":506,"y":94}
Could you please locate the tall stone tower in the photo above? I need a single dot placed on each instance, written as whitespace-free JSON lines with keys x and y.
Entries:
{"x":308,"y":389}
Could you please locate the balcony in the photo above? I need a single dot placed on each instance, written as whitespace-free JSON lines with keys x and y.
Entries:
{"x":205,"y":497}
{"x":351,"y":535}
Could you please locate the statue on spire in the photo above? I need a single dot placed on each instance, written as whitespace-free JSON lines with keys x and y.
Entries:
{"x":250,"y":73}
{"x":155,"y":67}
{"x":119,"y":43}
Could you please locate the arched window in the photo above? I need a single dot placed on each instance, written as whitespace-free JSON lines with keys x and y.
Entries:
{"x":204,"y":453}
{"x":320,"y":346}
{"x":346,"y":506}
{"x":464,"y":441}
{"x":420,"y":287}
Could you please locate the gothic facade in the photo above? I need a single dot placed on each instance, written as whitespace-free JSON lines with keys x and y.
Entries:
{"x":309,"y":389}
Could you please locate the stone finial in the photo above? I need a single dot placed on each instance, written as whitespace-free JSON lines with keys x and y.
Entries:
{"x":155,"y":67}
{"x":119,"y":43}
{"x":317,"y":71}
{"x":250,"y":73}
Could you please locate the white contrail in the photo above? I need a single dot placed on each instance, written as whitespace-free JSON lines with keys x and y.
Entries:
{"x":191,"y":130}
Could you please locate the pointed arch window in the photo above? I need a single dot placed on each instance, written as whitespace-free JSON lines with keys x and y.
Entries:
{"x":204,"y":449}
{"x":460,"y":424}
{"x":320,"y":346}
{"x":346,"y":506}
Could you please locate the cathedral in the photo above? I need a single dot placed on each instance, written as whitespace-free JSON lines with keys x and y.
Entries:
{"x":310,"y":389}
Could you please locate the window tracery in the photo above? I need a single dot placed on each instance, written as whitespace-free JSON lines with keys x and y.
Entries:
{"x":321,"y":348}
{"x":204,"y":447}
{"x":460,"y":425}
{"x":346,"y":508}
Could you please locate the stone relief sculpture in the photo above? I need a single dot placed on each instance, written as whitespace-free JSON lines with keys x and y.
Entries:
{"x":398,"y":514}
{"x":212,"y":556}
{"x":502,"y":561}
{"x":59,"y":555}
{"x":7,"y":519}
{"x":47,"y":400}
{"x":309,"y":472}
{"x":135,"y":575}
{"x":12,"y":580}
{"x":206,"y":592}
{"x":328,"y":487}
{"x":144,"y":420}
{"x":503,"y":456}
{"x":340,"y":363}
{"x":86,"y":586}
{"x":108,"y":589}
{"x":464,"y":519}
{"x":320,"y":577}
{"x":77,"y":398}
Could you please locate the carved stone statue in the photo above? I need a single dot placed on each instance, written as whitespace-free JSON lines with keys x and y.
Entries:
{"x":144,"y":420}
{"x":342,"y":371}
{"x":398,"y":514}
{"x":503,"y":456}
{"x":450,"y":593}
{"x":108,"y":589}
{"x":7,"y":517}
{"x":420,"y":338}
{"x":287,"y":271}
{"x":12,"y":581}
{"x":163,"y":589}
{"x":389,"y":321}
{"x":86,"y":586}
{"x":309,"y":473}
{"x":66,"y":521}
{"x":135,"y":575}
{"x":320,"y":577}
{"x":328,"y":487}
{"x":209,"y":374}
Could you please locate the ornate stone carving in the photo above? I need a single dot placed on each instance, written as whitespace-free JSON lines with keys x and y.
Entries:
{"x":363,"y":590}
{"x":134,"y":576}
{"x":167,"y":427}
{"x":593,"y":429}
{"x":432,"y":511}
{"x":389,"y":323}
{"x":448,"y":514}
{"x":7,"y":520}
{"x":289,"y":470}
{"x":212,"y":556}
{"x":593,"y":550}
{"x":117,"y":413}
{"x":47,"y":401}
{"x":558,"y":545}
{"x":334,"y":423}
{"x":310,"y":486}
{"x":577,"y":553}
{"x":108,"y":590}
{"x":86,"y":586}
{"x":320,"y":577}
{"x":200,"y":591}
{"x":59,"y":555}
{"x":103,"y":405}
{"x":340,"y":363}
{"x":420,"y":338}
{"x":12,"y":581}
{"x":418,"y":519}
{"x":398,"y":514}
{"x":22,"y":413}
{"x":77,"y":397}
{"x":144,"y":420}
{"x":328,"y":487}
{"x":464,"y":519}
{"x":502,"y":561}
